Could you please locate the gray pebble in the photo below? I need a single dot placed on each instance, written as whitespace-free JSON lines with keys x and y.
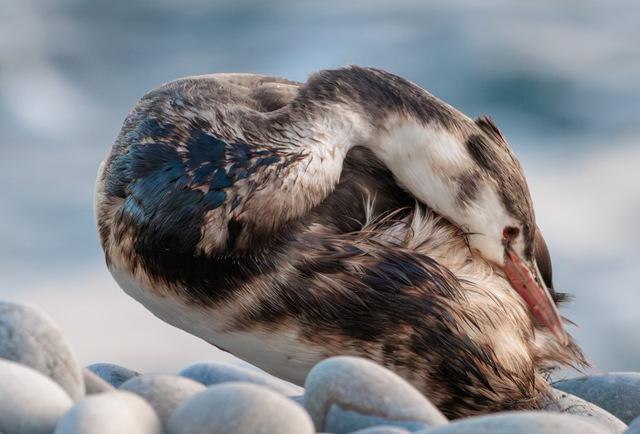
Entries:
{"x":634,"y":426}
{"x":163,"y":392}
{"x":29,"y":337}
{"x":298,"y":400}
{"x":341,"y":421}
{"x":238,"y":408}
{"x":110,"y":413}
{"x":618,"y":393}
{"x":520,"y":422}
{"x":209,"y":373}
{"x":566,"y":403}
{"x":112,"y":373}
{"x":344,"y":394}
{"x":30,"y":403}
{"x":386,"y":429}
{"x":94,"y":384}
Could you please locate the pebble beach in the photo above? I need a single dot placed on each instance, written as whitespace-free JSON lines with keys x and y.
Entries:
{"x":44,"y":390}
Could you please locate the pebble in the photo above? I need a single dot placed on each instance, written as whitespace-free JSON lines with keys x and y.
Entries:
{"x":298,"y":400}
{"x":386,"y":429}
{"x":566,"y":403}
{"x":110,"y":413}
{"x":209,"y":373}
{"x":30,"y":403}
{"x":237,"y":408}
{"x":113,"y":374}
{"x":634,"y":426}
{"x":163,"y":392}
{"x":94,"y":384}
{"x":618,"y":393}
{"x":341,"y":421}
{"x":344,"y":394}
{"x":520,"y":422}
{"x":29,"y":337}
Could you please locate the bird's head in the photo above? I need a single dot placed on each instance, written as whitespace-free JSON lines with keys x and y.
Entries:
{"x":500,"y":222}
{"x":467,"y":172}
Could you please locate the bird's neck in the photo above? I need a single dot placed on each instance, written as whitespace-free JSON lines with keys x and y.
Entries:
{"x":419,"y":138}
{"x":429,"y":161}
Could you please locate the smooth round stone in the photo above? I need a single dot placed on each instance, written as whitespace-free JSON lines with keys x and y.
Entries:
{"x":94,"y":384}
{"x":236,"y":408}
{"x":110,"y":413}
{"x":382,"y":430}
{"x":618,"y":393}
{"x":163,"y":392}
{"x":566,"y":403}
{"x":113,"y":374}
{"x":344,"y":394}
{"x":341,"y":421}
{"x":29,"y":337}
{"x":298,"y":400}
{"x":634,"y":426}
{"x":209,"y":373}
{"x":30,"y":403}
{"x":520,"y":422}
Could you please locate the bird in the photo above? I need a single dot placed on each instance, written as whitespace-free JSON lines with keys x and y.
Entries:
{"x":352,"y":214}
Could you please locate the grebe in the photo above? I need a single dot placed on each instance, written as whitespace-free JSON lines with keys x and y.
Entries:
{"x":354,"y":214}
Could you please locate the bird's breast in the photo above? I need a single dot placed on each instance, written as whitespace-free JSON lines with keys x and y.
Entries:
{"x":278,"y":349}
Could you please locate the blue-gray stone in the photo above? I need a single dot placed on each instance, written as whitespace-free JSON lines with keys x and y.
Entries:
{"x":30,"y":402}
{"x":112,"y":373}
{"x":345,"y":394}
{"x":110,"y":413}
{"x":386,"y":429}
{"x":29,"y":337}
{"x":341,"y":421}
{"x":298,"y":400}
{"x":163,"y":392}
{"x":618,"y":392}
{"x":230,"y":408}
{"x":209,"y":373}
{"x":564,"y":402}
{"x":94,"y":384}
{"x":520,"y":422}
{"x":634,"y":426}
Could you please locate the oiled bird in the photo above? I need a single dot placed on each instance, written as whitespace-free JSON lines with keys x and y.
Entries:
{"x":354,"y":214}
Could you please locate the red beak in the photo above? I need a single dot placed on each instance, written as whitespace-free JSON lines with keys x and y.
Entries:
{"x":535,"y":294}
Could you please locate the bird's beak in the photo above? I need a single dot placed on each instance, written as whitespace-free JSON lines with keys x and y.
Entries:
{"x":531,"y":287}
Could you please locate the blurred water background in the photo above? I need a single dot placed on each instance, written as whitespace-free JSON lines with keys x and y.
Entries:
{"x":562,"y":79}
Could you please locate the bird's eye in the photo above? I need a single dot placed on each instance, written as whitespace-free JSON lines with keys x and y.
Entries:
{"x":510,"y":232}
